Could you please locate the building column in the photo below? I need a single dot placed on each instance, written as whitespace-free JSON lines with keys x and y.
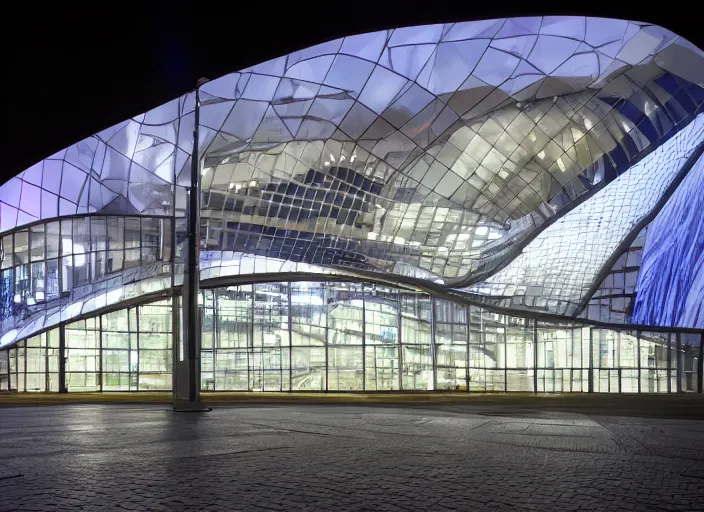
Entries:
{"x":290,"y":341}
{"x":186,"y":364}
{"x":590,"y":375}
{"x":679,"y":371}
{"x":399,"y":340}
{"x":433,"y":355}
{"x":505,"y":352}
{"x":62,"y":359}
{"x":638,"y":358}
{"x":364,"y":338}
{"x":669,"y":363}
{"x":535,"y":356}
{"x":700,"y":364}
{"x":7,"y":369}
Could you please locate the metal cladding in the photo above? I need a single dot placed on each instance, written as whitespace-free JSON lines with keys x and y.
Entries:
{"x":514,"y":160}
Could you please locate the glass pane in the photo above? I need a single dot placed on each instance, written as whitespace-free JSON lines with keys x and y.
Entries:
{"x":653,"y":349}
{"x":308,"y":314}
{"x":37,"y":242}
{"x":308,"y":369}
{"x":21,"y":247}
{"x":345,"y":368}
{"x":344,"y":314}
{"x":53,"y":239}
{"x":81,"y":235}
{"x":234,"y":320}
{"x":519,"y":344}
{"x":416,"y":318}
{"x":6,"y":252}
{"x":98,"y":234}
{"x":382,"y":369}
{"x":66,"y":237}
{"x":132,"y":233}
{"x":116,"y":232}
{"x":155,"y":318}
{"x":417,"y":367}
{"x":51,"y":285}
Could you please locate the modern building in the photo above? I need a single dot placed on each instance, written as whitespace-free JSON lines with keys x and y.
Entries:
{"x":497,"y":205}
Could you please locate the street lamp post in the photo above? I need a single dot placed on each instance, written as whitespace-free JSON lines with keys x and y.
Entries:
{"x":186,"y":366}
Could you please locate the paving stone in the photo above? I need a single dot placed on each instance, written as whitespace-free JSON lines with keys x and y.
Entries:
{"x":346,"y":458}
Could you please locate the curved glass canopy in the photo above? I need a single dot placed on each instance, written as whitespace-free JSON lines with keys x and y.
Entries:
{"x":514,"y":159}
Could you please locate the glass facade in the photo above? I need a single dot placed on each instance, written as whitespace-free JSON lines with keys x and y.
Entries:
{"x":555,"y":186}
{"x":33,"y":365}
{"x":41,"y":263}
{"x":125,"y":350}
{"x":351,"y":336}
{"x":53,"y":271}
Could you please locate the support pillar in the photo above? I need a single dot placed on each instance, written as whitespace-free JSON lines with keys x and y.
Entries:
{"x":399,"y":340}
{"x":364,"y":339}
{"x":62,"y":359}
{"x":590,"y":375}
{"x":700,"y":364}
{"x":186,"y":363}
{"x":679,"y":371}
{"x":638,"y":333}
{"x":433,"y":354}
{"x":669,"y":363}
{"x":535,"y":356}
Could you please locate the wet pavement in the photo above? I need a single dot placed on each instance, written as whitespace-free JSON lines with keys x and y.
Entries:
{"x":345,"y":457}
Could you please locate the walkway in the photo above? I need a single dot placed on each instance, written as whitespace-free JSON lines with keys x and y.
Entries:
{"x":432,"y":456}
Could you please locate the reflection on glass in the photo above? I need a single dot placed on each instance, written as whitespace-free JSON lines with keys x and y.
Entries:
{"x":52,"y":260}
{"x":344,"y":336}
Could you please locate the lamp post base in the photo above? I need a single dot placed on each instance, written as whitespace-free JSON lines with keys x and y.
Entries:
{"x":187,"y":406}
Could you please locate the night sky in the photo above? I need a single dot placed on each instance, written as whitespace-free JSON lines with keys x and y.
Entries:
{"x":72,"y":71}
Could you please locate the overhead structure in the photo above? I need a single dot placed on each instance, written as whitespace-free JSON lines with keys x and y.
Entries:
{"x":544,"y":168}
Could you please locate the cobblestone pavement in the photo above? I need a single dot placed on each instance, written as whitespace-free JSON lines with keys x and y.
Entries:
{"x":305,"y":457}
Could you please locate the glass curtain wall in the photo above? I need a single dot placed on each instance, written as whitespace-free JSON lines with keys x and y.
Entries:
{"x":348,"y":336}
{"x":126,"y":350}
{"x":33,"y":364}
{"x":451,"y":345}
{"x":4,"y":370}
{"x":562,"y":358}
{"x":339,"y":336}
{"x":47,"y":260}
{"x":341,"y":314}
{"x":381,"y":333}
{"x":520,"y":353}
{"x":417,"y":341}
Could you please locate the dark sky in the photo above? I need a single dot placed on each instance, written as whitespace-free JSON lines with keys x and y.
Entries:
{"x":72,"y":71}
